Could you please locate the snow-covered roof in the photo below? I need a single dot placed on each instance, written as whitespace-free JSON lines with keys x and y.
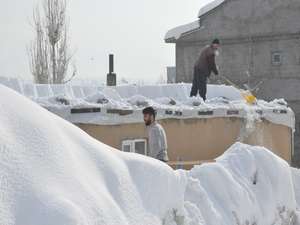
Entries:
{"x":177,"y":32}
{"x":123,"y":104}
{"x":210,"y":6}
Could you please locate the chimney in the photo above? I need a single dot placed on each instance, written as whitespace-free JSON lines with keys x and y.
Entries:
{"x":111,"y":76}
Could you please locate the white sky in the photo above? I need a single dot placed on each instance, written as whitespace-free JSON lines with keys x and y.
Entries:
{"x":131,"y":29}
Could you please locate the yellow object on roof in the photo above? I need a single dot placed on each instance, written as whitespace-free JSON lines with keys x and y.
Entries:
{"x":249,"y":97}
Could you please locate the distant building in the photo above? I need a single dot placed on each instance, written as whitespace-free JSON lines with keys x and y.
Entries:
{"x":171,"y":74}
{"x":260,"y":42}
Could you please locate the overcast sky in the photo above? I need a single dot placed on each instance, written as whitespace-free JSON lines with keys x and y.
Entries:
{"x":131,"y":29}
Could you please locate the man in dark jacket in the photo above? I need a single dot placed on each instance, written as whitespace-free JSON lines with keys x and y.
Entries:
{"x":203,"y":68}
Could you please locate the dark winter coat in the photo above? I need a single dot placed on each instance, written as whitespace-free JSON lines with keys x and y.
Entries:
{"x":206,"y":62}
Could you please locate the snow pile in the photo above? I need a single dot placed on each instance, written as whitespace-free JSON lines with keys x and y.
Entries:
{"x":98,"y":98}
{"x":51,"y":172}
{"x":249,"y":126}
{"x":212,"y":5}
{"x":247,"y":185}
{"x":296,"y":180}
{"x":177,"y":32}
{"x":139,"y":101}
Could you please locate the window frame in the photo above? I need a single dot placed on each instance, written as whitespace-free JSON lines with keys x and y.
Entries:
{"x":275,"y":54}
{"x":132,"y":143}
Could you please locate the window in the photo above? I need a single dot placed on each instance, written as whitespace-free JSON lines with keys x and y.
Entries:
{"x":126,"y":146}
{"x":276,"y":58}
{"x":136,"y":145}
{"x":140,"y":147}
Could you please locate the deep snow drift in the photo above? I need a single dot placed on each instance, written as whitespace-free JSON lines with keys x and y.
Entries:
{"x":51,"y":172}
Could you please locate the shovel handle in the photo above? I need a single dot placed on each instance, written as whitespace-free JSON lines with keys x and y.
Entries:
{"x":229,"y":81}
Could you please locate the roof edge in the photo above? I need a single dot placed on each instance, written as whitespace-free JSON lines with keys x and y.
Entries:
{"x":176,"y":33}
{"x":209,"y":7}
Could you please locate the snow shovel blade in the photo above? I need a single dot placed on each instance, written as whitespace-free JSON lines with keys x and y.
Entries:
{"x":249,"y":97}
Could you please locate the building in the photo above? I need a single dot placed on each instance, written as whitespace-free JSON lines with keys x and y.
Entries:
{"x":171,"y":74}
{"x":196,"y":131}
{"x":260,"y":45}
{"x":192,"y":141}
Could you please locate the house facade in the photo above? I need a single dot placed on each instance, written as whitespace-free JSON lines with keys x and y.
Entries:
{"x":260,"y":46}
{"x":188,"y":145}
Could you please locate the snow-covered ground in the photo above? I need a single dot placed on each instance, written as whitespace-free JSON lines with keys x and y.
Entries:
{"x":51,"y":172}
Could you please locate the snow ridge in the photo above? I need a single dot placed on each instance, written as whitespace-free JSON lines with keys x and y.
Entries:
{"x":177,"y":32}
{"x":210,"y":6}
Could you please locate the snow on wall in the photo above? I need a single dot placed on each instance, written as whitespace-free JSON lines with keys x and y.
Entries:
{"x":51,"y":172}
{"x":210,"y":6}
{"x":177,"y":32}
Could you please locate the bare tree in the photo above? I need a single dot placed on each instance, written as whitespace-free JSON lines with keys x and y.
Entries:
{"x":50,"y":55}
{"x":39,"y":52}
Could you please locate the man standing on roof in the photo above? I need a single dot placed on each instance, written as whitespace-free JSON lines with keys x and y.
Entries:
{"x":203,"y":67}
{"x":157,"y":141}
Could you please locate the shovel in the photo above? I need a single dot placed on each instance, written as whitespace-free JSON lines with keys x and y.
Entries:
{"x":246,"y":94}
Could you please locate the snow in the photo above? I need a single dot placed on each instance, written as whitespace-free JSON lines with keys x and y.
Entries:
{"x":29,"y":90}
{"x":177,"y":32}
{"x":174,"y":97}
{"x":296,"y":181}
{"x":51,"y":172}
{"x":210,"y":6}
{"x":60,"y":99}
{"x":247,"y":185}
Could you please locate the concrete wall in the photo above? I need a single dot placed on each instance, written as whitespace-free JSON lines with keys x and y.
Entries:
{"x":244,"y":18}
{"x":200,"y":139}
{"x":237,"y":56}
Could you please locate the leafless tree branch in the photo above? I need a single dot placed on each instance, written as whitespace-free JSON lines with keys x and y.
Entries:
{"x":49,"y":52}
